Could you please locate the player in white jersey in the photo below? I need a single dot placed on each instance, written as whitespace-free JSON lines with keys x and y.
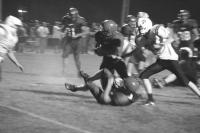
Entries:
{"x":8,"y":39}
{"x":157,"y":39}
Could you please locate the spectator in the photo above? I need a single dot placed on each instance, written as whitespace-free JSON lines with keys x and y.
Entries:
{"x":57,"y":35}
{"x":43,"y":33}
{"x":22,"y":35}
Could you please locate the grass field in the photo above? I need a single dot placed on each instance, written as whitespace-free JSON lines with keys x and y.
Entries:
{"x":36,"y":102}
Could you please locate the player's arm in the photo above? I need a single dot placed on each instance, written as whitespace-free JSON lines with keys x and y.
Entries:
{"x":12,"y":57}
{"x":85,"y":30}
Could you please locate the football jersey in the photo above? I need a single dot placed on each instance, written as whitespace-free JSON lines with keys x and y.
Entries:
{"x":110,"y":44}
{"x":8,"y":39}
{"x":74,"y":26}
{"x":159,"y":42}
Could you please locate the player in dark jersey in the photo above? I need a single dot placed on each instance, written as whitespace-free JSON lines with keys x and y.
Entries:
{"x":109,"y":46}
{"x":74,"y":28}
{"x":186,"y":30}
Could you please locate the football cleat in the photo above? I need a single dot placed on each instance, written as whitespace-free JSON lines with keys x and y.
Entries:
{"x":150,"y":103}
{"x":70,"y":87}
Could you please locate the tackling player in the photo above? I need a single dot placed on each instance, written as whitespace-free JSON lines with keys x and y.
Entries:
{"x":109,"y":45}
{"x":117,"y":94}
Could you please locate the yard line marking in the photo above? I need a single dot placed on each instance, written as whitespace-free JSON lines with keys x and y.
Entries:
{"x":46,"y":119}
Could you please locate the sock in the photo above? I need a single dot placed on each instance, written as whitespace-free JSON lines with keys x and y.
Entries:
{"x":150,"y":97}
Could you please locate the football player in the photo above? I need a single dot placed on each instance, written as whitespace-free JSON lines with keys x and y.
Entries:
{"x":110,"y":47}
{"x":156,"y":38}
{"x":186,"y":30}
{"x":74,"y":27}
{"x":117,"y":94}
{"x":136,"y":58}
{"x":8,"y":40}
{"x":109,"y":44}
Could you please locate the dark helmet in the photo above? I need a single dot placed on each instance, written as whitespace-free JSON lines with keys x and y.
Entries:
{"x":109,"y":26}
{"x":73,"y":11}
{"x":130,"y":18}
{"x":183,"y":14}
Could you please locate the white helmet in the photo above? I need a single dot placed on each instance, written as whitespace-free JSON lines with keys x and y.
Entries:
{"x":142,"y":15}
{"x":144,"y":25}
{"x":13,"y":21}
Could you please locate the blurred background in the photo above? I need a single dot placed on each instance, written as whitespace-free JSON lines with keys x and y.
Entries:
{"x":161,"y":11}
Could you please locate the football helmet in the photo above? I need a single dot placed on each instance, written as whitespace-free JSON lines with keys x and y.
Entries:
{"x":142,"y":15}
{"x":109,"y":26}
{"x":144,"y":25}
{"x":131,"y":20}
{"x":13,"y":22}
{"x":73,"y":11}
{"x":183,"y":14}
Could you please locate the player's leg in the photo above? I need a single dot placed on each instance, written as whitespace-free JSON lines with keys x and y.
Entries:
{"x":106,"y":81}
{"x":176,"y":69}
{"x":96,"y":91}
{"x":65,"y":55}
{"x":76,"y":48}
{"x":75,"y":88}
{"x":152,"y":69}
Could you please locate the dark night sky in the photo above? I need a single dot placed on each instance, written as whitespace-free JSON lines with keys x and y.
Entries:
{"x":161,"y":11}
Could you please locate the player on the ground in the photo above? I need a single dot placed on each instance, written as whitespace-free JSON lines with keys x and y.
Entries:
{"x":117,"y":94}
